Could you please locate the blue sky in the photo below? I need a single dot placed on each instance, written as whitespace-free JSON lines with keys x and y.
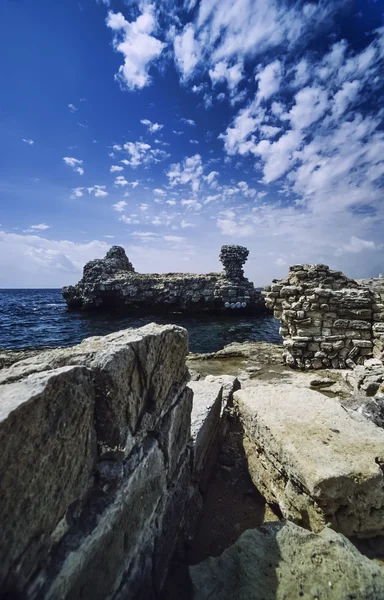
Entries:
{"x":172,"y":128}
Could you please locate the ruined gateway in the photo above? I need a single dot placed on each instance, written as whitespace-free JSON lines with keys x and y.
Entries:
{"x":113,"y":283}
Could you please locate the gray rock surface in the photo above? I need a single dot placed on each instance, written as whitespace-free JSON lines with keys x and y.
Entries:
{"x":282,"y":561}
{"x":48,"y":450}
{"x":205,"y":418}
{"x":112,"y":283}
{"x":320,"y":463}
{"x":96,"y":484}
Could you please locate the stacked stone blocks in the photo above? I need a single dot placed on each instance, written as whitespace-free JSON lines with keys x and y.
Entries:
{"x":327,"y":320}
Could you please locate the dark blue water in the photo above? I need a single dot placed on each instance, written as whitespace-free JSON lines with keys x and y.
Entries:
{"x":39,"y":318}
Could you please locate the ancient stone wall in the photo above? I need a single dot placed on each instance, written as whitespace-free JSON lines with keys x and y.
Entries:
{"x":112,"y":283}
{"x":327,"y":320}
{"x":96,"y":478}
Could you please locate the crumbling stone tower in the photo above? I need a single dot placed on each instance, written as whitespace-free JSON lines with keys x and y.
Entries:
{"x":233,"y":259}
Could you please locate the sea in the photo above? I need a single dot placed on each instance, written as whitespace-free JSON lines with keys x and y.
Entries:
{"x":40,"y":319}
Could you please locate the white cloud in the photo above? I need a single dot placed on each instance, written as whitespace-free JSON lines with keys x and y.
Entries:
{"x":231,"y":75}
{"x":191,"y":205}
{"x":159,"y":192}
{"x":345,"y":97}
{"x":77,"y":192}
{"x":30,"y":142}
{"x":40,"y":227}
{"x":98,"y":191}
{"x":188,"y":171}
{"x":152,"y":127}
{"x":193,"y":141}
{"x":174,"y":238}
{"x":269,"y":80}
{"x":120,"y":206}
{"x":140,"y":153}
{"x":33,"y":261}
{"x":121,"y":181}
{"x":74,"y":163}
{"x":144,"y":207}
{"x":190,"y":122}
{"x":72,"y":107}
{"x":115,"y":168}
{"x":185,"y":224}
{"x":137,"y":44}
{"x":187,"y":51}
{"x":356,"y":245}
{"x":178,"y":132}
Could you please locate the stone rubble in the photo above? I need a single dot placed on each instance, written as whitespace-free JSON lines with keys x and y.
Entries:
{"x":112,"y":283}
{"x":327,"y":320}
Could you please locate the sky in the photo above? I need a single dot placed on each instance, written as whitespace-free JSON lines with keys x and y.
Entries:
{"x":171,"y":128}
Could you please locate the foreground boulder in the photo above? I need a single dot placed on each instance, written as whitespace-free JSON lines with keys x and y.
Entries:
{"x":112,"y":283}
{"x":95,"y":467}
{"x":320,"y":463}
{"x":282,"y":561}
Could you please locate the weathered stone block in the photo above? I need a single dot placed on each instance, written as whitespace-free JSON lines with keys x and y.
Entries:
{"x":310,"y":456}
{"x":48,"y":450}
{"x":205,"y":418}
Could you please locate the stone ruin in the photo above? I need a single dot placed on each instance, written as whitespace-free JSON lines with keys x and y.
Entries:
{"x":327,"y":319}
{"x":112,"y":283}
{"x":233,"y":259}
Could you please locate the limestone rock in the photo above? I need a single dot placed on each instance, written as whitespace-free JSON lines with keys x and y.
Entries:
{"x":205,"y":418}
{"x":282,"y":561}
{"x":48,"y":450}
{"x":96,"y":480}
{"x":318,"y":462}
{"x":132,"y":391}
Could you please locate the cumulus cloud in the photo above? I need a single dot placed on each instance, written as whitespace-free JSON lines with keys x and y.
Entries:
{"x":120,"y":206}
{"x":140,"y":153}
{"x":231,"y":75}
{"x":152,"y":127}
{"x":121,"y":181}
{"x":74,"y":163}
{"x":188,"y":171}
{"x":136,"y":42}
{"x":72,"y":107}
{"x":98,"y":190}
{"x":115,"y":168}
{"x":26,"y":141}
{"x":77,"y":192}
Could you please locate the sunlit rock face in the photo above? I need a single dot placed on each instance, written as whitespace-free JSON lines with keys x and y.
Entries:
{"x":112,"y":282}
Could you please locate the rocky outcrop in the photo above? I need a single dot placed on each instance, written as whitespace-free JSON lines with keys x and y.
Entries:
{"x":282,"y":561}
{"x":96,"y":482}
{"x":112,"y":283}
{"x":320,"y":463}
{"x":211,"y":396}
{"x":327,"y":320}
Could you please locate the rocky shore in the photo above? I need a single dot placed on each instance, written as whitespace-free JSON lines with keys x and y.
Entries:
{"x":134,"y":470}
{"x":113,"y":284}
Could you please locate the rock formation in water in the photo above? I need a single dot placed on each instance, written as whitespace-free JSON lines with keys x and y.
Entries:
{"x":327,"y":320}
{"x":112,"y":283}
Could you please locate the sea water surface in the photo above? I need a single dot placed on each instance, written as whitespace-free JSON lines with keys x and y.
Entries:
{"x":39,"y":318}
